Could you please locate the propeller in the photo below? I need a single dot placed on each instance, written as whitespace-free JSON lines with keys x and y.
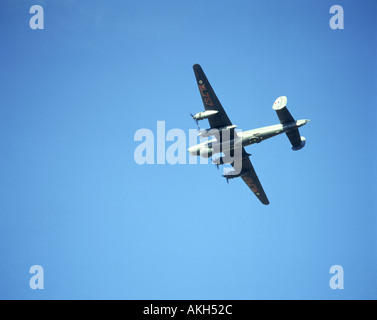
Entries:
{"x":196,"y":120}
{"x":227,"y":178}
{"x":217,"y":165}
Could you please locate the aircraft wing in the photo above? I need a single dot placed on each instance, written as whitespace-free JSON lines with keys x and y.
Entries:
{"x":210,"y":100}
{"x":251,"y":179}
{"x":219,"y":120}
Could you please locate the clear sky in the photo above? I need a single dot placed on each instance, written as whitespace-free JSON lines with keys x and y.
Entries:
{"x":73,"y":200}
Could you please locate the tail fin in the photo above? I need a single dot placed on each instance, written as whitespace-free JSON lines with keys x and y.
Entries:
{"x":285,"y":117}
{"x":295,"y":139}
{"x":280,"y":106}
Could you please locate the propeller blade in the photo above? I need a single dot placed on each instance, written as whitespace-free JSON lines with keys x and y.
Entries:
{"x":196,"y":120}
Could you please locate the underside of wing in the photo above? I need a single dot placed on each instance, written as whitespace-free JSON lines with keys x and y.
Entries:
{"x":251,"y":179}
{"x":219,"y":120}
{"x":210,"y":100}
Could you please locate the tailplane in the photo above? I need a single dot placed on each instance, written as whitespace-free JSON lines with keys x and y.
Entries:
{"x":285,"y":118}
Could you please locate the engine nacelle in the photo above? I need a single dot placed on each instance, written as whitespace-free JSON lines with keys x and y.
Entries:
{"x":206,"y":152}
{"x":231,"y":174}
{"x":204,"y":114}
{"x":213,"y":132}
{"x":223,"y":160}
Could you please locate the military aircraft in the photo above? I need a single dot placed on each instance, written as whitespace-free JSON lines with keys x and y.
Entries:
{"x":229,"y":142}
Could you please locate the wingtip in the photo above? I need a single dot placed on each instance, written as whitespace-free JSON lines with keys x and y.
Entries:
{"x":196,"y":66}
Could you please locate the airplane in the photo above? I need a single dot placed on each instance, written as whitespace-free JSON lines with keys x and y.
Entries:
{"x":229,"y":142}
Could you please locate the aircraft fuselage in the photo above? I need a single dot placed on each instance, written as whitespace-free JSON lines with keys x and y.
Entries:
{"x":208,"y":148}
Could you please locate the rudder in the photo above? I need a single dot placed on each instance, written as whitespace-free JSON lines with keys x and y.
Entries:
{"x":285,"y":117}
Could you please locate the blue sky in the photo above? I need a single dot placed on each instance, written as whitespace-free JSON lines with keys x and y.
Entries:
{"x":73,"y":200}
